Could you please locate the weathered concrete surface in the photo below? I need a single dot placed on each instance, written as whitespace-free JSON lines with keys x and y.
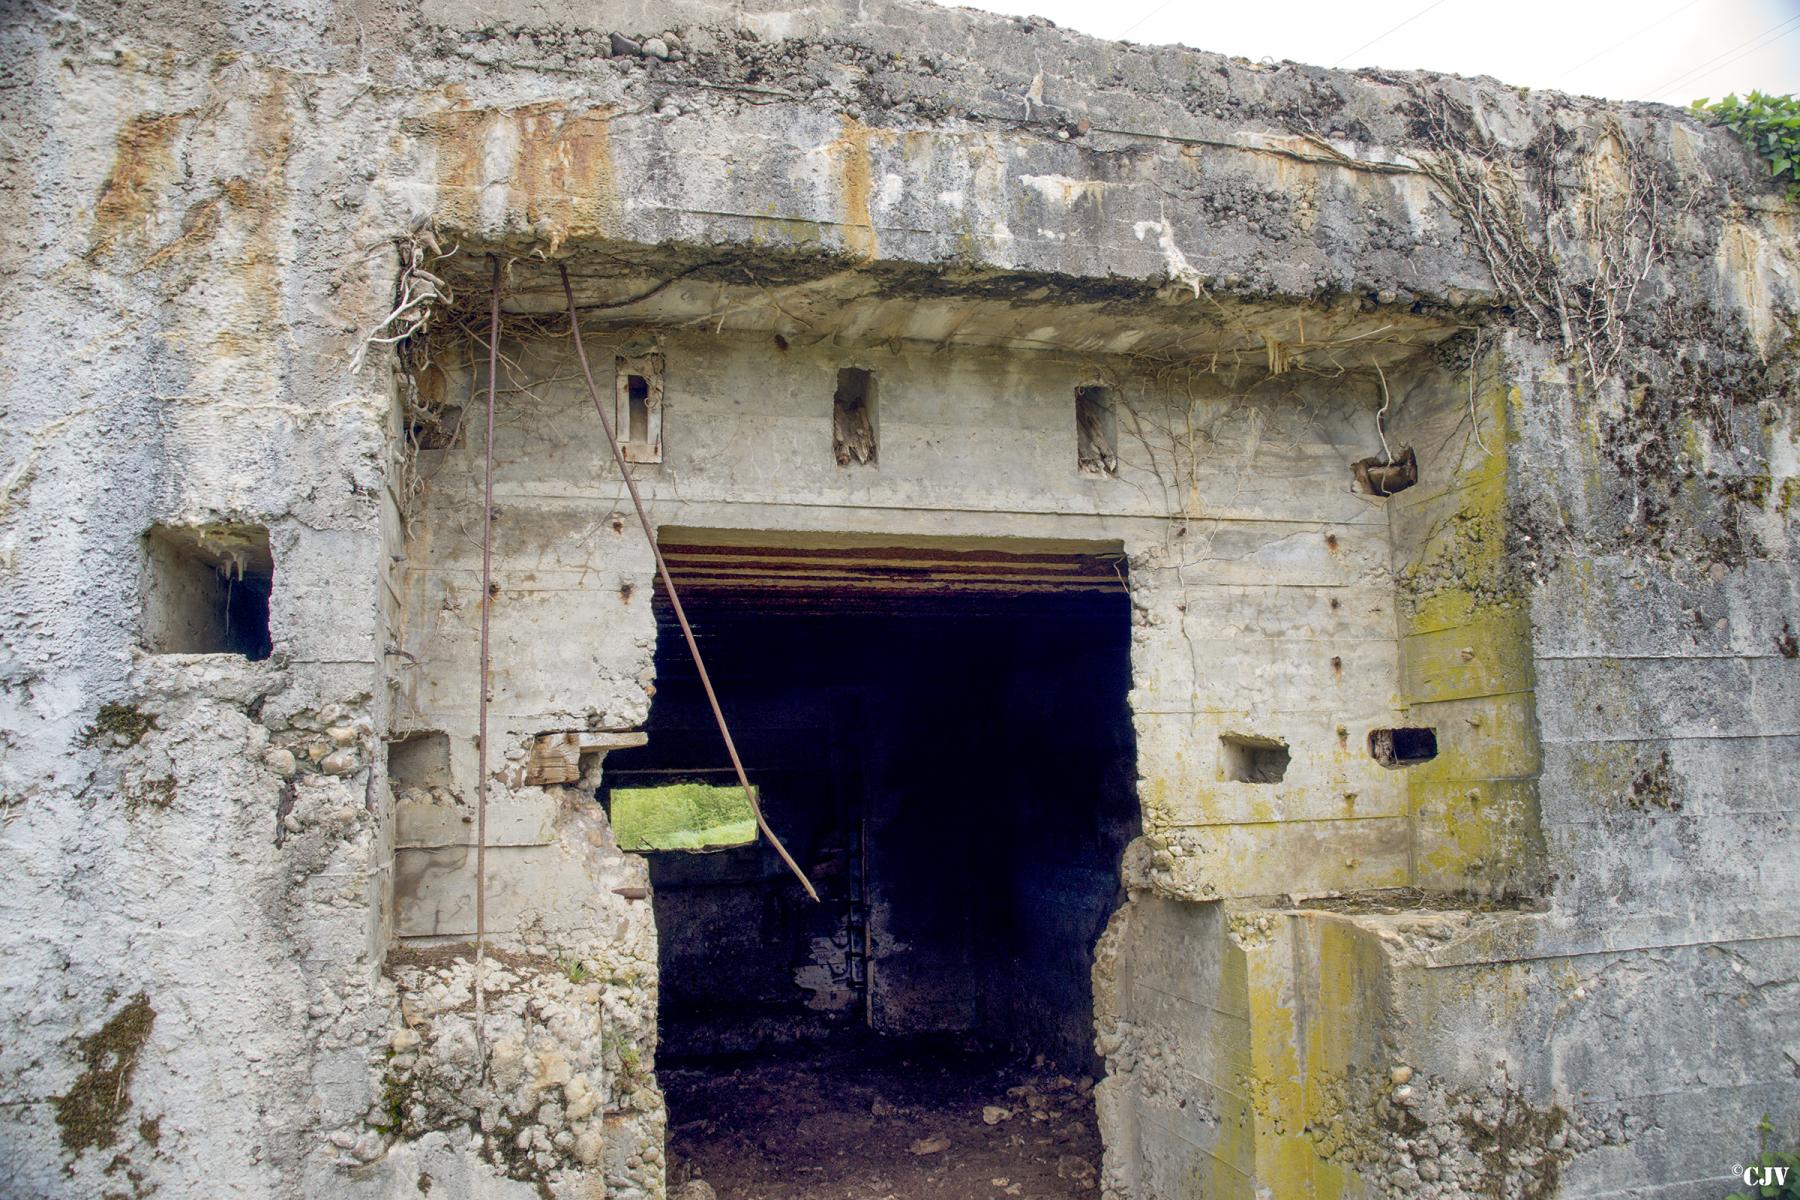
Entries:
{"x":200,"y":211}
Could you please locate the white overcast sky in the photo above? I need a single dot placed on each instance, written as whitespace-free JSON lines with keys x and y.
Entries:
{"x":1674,"y":51}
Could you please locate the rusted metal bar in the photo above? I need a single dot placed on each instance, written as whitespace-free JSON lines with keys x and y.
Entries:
{"x":486,"y":687}
{"x":662,"y":569}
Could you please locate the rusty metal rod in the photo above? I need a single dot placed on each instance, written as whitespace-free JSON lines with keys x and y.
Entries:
{"x":487,"y":604}
{"x":662,"y":568}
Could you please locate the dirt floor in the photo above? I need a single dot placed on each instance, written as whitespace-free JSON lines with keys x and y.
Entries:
{"x":870,"y":1118}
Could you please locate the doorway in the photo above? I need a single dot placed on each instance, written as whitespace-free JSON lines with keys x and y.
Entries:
{"x":941,"y":737}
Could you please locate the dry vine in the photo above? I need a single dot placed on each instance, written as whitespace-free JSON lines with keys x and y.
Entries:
{"x":1612,"y":225}
{"x":417,"y":295}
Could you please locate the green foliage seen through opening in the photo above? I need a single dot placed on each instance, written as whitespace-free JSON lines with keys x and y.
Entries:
{"x":682,"y":816}
{"x":1770,"y":124}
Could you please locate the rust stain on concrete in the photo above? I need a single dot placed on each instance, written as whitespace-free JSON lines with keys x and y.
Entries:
{"x":856,"y":185}
{"x":561,"y":184}
{"x":257,"y":203}
{"x":456,"y":135}
{"x":143,"y":159}
{"x":566,"y":171}
{"x":198,"y":226}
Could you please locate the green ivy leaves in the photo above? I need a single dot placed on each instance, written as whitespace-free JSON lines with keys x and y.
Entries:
{"x":1771,"y":127}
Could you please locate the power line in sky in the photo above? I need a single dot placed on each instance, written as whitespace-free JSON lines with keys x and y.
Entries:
{"x":1145,"y":17}
{"x":1384,"y":36}
{"x":1742,"y":49}
{"x":1626,"y":41}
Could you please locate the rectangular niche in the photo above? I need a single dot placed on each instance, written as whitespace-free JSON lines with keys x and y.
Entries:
{"x":420,"y":759}
{"x":853,"y":430}
{"x":639,"y":406}
{"x":1246,"y":758}
{"x":1096,"y":431}
{"x":206,"y":590}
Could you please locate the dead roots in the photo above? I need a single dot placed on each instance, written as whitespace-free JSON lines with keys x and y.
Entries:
{"x":1570,"y":258}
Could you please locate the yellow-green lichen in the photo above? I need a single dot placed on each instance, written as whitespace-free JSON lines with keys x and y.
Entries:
{"x":1466,"y":669}
{"x":1787,"y":496}
{"x":1312,"y":991}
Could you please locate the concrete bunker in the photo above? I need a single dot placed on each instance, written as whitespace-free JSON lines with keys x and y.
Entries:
{"x":1076,"y":662}
{"x":1584,"y":578}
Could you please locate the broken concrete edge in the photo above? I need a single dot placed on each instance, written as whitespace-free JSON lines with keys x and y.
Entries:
{"x":1316,"y":1024}
{"x":556,"y":1083}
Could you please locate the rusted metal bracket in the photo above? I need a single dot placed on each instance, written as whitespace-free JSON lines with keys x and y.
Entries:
{"x":1383,"y":477}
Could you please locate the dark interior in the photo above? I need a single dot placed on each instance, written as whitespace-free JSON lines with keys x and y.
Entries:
{"x":207,"y":590}
{"x":246,"y":605}
{"x":956,"y":774}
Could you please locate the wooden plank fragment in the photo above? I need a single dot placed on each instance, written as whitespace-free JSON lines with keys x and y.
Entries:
{"x":556,"y":757}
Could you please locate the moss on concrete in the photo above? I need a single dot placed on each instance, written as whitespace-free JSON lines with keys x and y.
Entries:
{"x":148,"y":794}
{"x":118,"y":724}
{"x":89,"y":1113}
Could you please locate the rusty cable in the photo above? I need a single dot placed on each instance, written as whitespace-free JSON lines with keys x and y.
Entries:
{"x":662,"y":569}
{"x":487,"y":604}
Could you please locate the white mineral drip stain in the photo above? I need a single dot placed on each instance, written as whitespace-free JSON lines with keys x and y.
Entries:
{"x":1064,"y":192}
{"x":1176,"y":262}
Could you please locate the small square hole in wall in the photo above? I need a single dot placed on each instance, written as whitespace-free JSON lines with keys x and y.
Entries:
{"x":1246,"y":758}
{"x":639,"y":405}
{"x":206,"y":590}
{"x":1404,"y":747}
{"x":853,"y":429}
{"x":419,"y":760}
{"x":1096,"y":431}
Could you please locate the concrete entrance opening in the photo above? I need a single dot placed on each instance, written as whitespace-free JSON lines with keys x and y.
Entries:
{"x":940,"y":735}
